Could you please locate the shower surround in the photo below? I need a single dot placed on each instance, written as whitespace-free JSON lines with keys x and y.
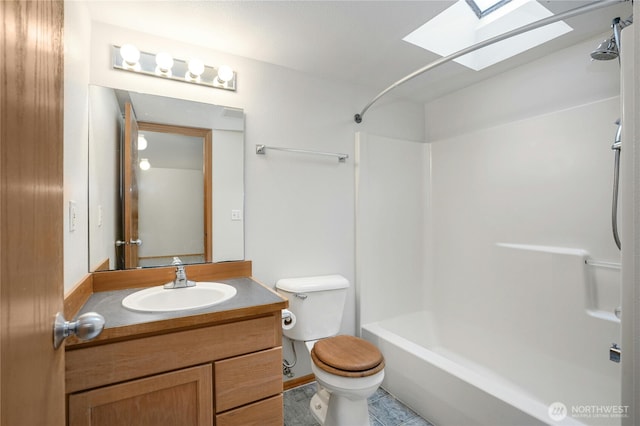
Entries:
{"x":474,"y":269}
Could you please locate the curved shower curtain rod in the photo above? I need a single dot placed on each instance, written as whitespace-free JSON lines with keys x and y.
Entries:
{"x":532,"y":26}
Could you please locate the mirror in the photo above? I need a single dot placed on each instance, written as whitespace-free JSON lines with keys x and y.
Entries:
{"x":181,"y":196}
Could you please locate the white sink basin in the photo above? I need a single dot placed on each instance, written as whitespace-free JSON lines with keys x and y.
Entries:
{"x":159,"y":299}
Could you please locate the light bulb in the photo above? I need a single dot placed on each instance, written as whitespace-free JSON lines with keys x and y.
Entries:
{"x":145,"y":164}
{"x":196,"y":67}
{"x":142,"y":142}
{"x":225,"y":74}
{"x":130,"y":56}
{"x":129,"y":53}
{"x":164,"y":62}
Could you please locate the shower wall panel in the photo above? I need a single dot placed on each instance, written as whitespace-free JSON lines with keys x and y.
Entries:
{"x":544,"y":181}
{"x":392,"y":212}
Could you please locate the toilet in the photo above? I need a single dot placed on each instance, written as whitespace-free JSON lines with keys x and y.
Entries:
{"x":348,"y":369}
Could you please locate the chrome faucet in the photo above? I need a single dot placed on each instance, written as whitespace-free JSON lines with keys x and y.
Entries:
{"x":181,"y":280}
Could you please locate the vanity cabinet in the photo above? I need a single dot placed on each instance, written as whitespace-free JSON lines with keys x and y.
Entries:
{"x":181,"y":397}
{"x":224,"y":374}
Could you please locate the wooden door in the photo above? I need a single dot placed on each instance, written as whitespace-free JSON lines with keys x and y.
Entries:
{"x":130,"y":188}
{"x":31,"y":212}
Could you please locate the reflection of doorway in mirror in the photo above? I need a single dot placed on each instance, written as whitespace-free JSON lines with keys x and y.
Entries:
{"x":174,"y":205}
{"x":129,"y":249}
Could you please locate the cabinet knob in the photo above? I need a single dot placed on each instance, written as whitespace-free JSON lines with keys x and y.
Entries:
{"x":86,"y":327}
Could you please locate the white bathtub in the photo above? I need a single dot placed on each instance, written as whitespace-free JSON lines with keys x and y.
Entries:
{"x":450,"y":389}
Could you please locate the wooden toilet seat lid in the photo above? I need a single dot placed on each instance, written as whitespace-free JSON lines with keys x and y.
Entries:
{"x":347,"y":356}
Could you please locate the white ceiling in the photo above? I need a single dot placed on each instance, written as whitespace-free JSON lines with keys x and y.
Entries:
{"x":354,"y":41}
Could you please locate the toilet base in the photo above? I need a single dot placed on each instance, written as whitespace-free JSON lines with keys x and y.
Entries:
{"x":341,"y":411}
{"x":319,"y":403}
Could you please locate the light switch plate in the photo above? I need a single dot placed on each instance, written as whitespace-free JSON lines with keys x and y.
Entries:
{"x":73,"y":216}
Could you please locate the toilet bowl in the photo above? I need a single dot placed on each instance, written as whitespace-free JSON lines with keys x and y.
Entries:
{"x":348,"y":369}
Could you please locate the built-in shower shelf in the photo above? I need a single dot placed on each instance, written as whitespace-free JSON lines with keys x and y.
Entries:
{"x":603,"y":264}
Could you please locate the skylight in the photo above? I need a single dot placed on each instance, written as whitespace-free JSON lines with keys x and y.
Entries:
{"x":484,"y":7}
{"x":458,"y":27}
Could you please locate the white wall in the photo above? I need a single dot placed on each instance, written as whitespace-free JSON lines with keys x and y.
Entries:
{"x":228,"y":195}
{"x":536,"y":167}
{"x":76,"y":86}
{"x":558,"y":81}
{"x":104,"y":160}
{"x":299,"y":210}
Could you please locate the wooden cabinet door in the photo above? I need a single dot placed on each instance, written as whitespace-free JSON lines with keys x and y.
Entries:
{"x":267,"y":412}
{"x":248,"y":378}
{"x":179,"y":398}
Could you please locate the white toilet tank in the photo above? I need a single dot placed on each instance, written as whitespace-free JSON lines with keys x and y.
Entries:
{"x":317,"y":304}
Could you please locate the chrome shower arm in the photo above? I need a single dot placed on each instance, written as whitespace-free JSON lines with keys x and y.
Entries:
{"x":616,"y":33}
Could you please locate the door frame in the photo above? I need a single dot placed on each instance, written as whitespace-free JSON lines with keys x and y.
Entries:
{"x":130,"y":188}
{"x":207,"y":160}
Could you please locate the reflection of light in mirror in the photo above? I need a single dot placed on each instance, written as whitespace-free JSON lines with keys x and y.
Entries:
{"x":130,"y":55}
{"x":142,"y":142}
{"x":195,"y":69}
{"x":145,"y":164}
{"x":225,"y":74}
{"x":164,"y":62}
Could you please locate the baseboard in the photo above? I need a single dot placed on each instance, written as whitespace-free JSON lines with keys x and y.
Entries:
{"x":299,"y":381}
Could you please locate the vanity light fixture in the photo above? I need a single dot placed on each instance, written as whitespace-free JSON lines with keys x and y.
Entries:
{"x":144,"y":164}
{"x":142,"y":142}
{"x":128,"y":58}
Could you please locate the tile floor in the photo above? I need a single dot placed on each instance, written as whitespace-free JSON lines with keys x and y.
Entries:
{"x":384,"y":409}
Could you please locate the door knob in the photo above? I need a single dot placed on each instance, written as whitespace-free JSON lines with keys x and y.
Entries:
{"x":137,"y":242}
{"x":86,"y":327}
{"x":120,"y":243}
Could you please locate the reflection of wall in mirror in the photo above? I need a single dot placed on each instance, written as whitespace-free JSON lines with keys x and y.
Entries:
{"x":104,"y":134}
{"x":170,"y":200}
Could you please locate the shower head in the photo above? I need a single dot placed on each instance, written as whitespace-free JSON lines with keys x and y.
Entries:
{"x":610,"y":48}
{"x":607,"y":50}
